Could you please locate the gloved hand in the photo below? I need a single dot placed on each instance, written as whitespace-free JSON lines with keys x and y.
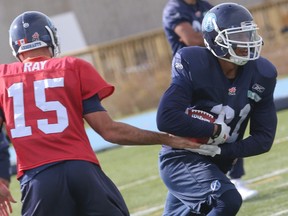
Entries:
{"x":208,"y":150}
{"x":222,"y":133}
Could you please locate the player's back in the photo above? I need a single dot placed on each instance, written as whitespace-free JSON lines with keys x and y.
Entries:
{"x":42,"y":104}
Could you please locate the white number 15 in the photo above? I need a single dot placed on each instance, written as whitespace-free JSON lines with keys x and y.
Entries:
{"x":16,"y":91}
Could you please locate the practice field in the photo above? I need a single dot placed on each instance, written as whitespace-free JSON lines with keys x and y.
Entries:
{"x":135,"y":172}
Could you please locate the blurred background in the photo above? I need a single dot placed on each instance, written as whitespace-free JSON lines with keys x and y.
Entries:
{"x":124,"y":40}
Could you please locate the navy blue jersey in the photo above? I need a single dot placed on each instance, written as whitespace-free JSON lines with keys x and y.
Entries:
{"x":4,"y":157}
{"x":178,"y":11}
{"x":198,"y":81}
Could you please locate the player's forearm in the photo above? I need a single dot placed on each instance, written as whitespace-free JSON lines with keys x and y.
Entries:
{"x":188,"y":35}
{"x":125,"y":134}
{"x":5,"y":182}
{"x":197,"y":40}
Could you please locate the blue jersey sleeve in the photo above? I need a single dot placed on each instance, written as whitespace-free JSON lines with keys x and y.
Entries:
{"x":173,"y":14}
{"x":171,"y":117}
{"x":171,"y":17}
{"x":178,"y":11}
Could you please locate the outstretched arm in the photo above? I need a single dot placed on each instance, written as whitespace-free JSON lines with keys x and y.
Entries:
{"x":125,"y":134}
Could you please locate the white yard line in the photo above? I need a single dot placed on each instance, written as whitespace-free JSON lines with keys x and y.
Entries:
{"x":151,"y":178}
{"x":275,"y":173}
{"x":280,"y":140}
{"x":280,"y":213}
{"x":139,"y":182}
{"x":148,"y":211}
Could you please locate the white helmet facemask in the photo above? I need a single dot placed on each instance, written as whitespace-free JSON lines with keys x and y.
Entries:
{"x":244,"y":37}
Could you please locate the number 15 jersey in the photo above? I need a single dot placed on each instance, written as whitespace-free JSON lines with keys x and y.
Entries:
{"x":42,"y":104}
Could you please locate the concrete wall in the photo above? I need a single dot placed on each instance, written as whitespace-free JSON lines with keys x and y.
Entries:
{"x":100,"y":20}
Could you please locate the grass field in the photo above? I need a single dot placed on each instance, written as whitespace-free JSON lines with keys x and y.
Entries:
{"x":135,"y":172}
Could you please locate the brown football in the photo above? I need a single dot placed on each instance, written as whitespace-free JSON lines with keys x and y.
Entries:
{"x":201,"y":115}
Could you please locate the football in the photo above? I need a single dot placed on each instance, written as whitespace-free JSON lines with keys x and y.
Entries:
{"x":203,"y":116}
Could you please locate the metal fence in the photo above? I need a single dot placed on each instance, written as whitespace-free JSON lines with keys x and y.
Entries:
{"x":139,"y":66}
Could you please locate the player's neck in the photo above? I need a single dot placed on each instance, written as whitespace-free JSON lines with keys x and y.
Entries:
{"x":229,"y":69}
{"x":44,"y":51}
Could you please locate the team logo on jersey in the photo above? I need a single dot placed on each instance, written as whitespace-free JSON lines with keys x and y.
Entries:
{"x":258,"y":88}
{"x":215,"y":185}
{"x":175,"y":15}
{"x":178,"y":66}
{"x":254,"y":96}
{"x":232,"y":91}
{"x":208,"y":22}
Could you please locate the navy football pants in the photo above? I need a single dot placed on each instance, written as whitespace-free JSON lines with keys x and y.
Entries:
{"x":72,"y":188}
{"x":196,"y":185}
{"x":237,"y":170}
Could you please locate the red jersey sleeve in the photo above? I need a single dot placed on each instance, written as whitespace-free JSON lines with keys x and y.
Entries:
{"x":92,"y":82}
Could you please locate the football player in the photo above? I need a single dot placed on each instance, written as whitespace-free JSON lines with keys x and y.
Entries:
{"x":182,"y":20}
{"x":44,"y":101}
{"x":230,"y":78}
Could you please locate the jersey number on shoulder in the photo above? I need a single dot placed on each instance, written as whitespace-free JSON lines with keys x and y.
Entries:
{"x":16,"y":92}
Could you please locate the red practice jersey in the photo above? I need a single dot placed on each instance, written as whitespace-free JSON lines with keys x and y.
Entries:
{"x":42,"y":104}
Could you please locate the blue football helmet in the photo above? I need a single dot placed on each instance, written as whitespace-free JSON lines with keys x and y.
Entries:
{"x":32,"y":30}
{"x":229,"y":26}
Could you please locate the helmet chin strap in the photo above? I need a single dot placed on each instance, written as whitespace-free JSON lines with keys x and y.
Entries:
{"x":231,"y":59}
{"x":55,"y":50}
{"x":51,"y":52}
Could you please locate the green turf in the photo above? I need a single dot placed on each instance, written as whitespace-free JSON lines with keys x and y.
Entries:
{"x":135,"y":171}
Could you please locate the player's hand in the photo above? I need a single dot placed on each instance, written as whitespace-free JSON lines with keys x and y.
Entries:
{"x":207,"y":150}
{"x":221,"y":136}
{"x":5,"y":200}
{"x":181,"y":143}
{"x":222,"y":132}
{"x":5,"y":182}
